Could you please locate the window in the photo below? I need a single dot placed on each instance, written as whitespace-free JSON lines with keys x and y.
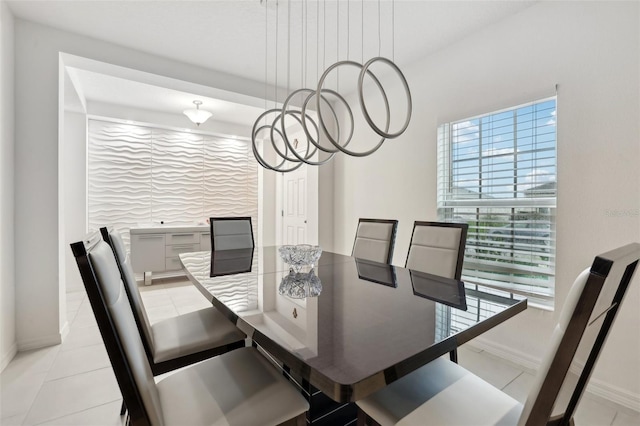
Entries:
{"x":497,"y":172}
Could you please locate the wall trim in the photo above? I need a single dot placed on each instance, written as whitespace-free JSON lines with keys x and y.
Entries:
{"x":40,"y":342}
{"x":596,"y":387}
{"x":529,"y":363}
{"x":64,"y":331}
{"x":7,"y":357}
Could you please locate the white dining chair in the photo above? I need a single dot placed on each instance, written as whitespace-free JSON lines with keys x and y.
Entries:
{"x":237,"y":388}
{"x":437,"y":248}
{"x":375,"y":239}
{"x":443,"y":393}
{"x":176,"y":341}
{"x":231,"y":233}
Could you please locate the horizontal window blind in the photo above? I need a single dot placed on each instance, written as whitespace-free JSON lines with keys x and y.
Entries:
{"x":497,"y":173}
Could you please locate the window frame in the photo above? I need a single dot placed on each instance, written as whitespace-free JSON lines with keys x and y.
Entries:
{"x":540,"y":293}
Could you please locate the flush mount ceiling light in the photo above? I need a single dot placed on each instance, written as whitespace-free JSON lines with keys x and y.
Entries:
{"x":197,"y":115}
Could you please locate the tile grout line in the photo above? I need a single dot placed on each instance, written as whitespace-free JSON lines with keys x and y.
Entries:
{"x":76,"y":412}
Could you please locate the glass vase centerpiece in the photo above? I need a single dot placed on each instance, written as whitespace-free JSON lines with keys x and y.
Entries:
{"x":301,"y":255}
{"x":298,"y":284}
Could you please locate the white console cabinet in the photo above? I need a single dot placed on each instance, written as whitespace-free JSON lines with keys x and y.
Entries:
{"x":156,"y":248}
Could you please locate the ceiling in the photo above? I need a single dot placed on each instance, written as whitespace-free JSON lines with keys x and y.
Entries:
{"x":231,"y":37}
{"x":97,"y":87}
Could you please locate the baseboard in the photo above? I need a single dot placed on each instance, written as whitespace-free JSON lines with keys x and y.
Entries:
{"x":6,"y":358}
{"x":41,"y":342}
{"x":527,"y":362}
{"x":614,"y":394}
{"x":64,"y":332}
{"x":596,"y":387}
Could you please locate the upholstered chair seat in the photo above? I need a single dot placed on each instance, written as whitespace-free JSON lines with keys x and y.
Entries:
{"x":237,"y":388}
{"x":176,"y":341}
{"x":190,"y":333}
{"x":443,"y":393}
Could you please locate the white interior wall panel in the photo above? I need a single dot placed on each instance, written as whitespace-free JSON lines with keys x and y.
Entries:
{"x":141,"y":175}
{"x":177,"y":177}
{"x":118,"y":175}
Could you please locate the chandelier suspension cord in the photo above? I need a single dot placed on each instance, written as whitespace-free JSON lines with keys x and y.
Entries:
{"x":324,"y":33}
{"x":393,"y":30}
{"x":288,"y":44}
{"x":379,"y":39}
{"x":305,"y":28}
{"x":275,"y":86}
{"x":348,"y":27}
{"x":338,"y":43}
{"x":362,"y":31}
{"x":318,"y":39}
{"x":266,"y":56}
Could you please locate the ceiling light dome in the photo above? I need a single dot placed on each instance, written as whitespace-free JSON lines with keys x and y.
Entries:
{"x":197,"y":115}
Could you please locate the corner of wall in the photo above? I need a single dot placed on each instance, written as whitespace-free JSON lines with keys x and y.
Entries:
{"x":8,"y":343}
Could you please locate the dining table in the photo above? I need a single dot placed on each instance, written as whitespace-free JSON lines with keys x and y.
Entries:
{"x":344,"y":327}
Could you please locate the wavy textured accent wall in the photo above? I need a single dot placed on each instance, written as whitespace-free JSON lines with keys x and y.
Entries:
{"x":141,"y":175}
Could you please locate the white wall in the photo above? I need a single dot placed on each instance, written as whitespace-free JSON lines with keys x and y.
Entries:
{"x":36,"y":157}
{"x":591,"y":50}
{"x":75,"y":193}
{"x":7,"y":220}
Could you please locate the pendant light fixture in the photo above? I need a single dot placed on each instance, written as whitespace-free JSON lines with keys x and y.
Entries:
{"x":197,"y":115}
{"x":325,"y":134}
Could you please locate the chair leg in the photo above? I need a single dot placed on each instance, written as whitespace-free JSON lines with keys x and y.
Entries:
{"x":453,"y":355}
{"x":123,"y":409}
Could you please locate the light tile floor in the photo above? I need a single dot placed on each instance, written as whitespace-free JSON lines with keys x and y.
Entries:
{"x":73,"y":384}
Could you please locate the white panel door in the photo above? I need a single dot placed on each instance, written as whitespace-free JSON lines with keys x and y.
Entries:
{"x":294,"y":212}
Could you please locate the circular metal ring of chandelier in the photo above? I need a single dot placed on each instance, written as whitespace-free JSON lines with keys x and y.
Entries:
{"x":333,"y":113}
{"x":321,"y":118}
{"x":365,"y":69}
{"x":303,"y":123}
{"x":256,"y":130}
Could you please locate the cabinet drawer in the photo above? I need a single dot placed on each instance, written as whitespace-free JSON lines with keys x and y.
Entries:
{"x":176,"y":249}
{"x":147,"y":252}
{"x":205,"y":241}
{"x":173,"y":264}
{"x":183,"y":238}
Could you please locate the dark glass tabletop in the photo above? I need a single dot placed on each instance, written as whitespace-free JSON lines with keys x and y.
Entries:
{"x":370,"y":324}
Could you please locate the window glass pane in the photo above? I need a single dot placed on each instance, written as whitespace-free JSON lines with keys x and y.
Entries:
{"x":497,"y":173}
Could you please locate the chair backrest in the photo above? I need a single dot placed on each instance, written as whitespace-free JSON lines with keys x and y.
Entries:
{"x":107,"y":296}
{"x":230,"y":262}
{"x":585,"y":320}
{"x":375,"y":239}
{"x":230,"y":233}
{"x":123,"y":260}
{"x":437,"y":248}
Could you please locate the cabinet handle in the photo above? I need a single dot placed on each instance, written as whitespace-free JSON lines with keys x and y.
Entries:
{"x":179,"y":247}
{"x":182,"y":235}
{"x":149,"y":237}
